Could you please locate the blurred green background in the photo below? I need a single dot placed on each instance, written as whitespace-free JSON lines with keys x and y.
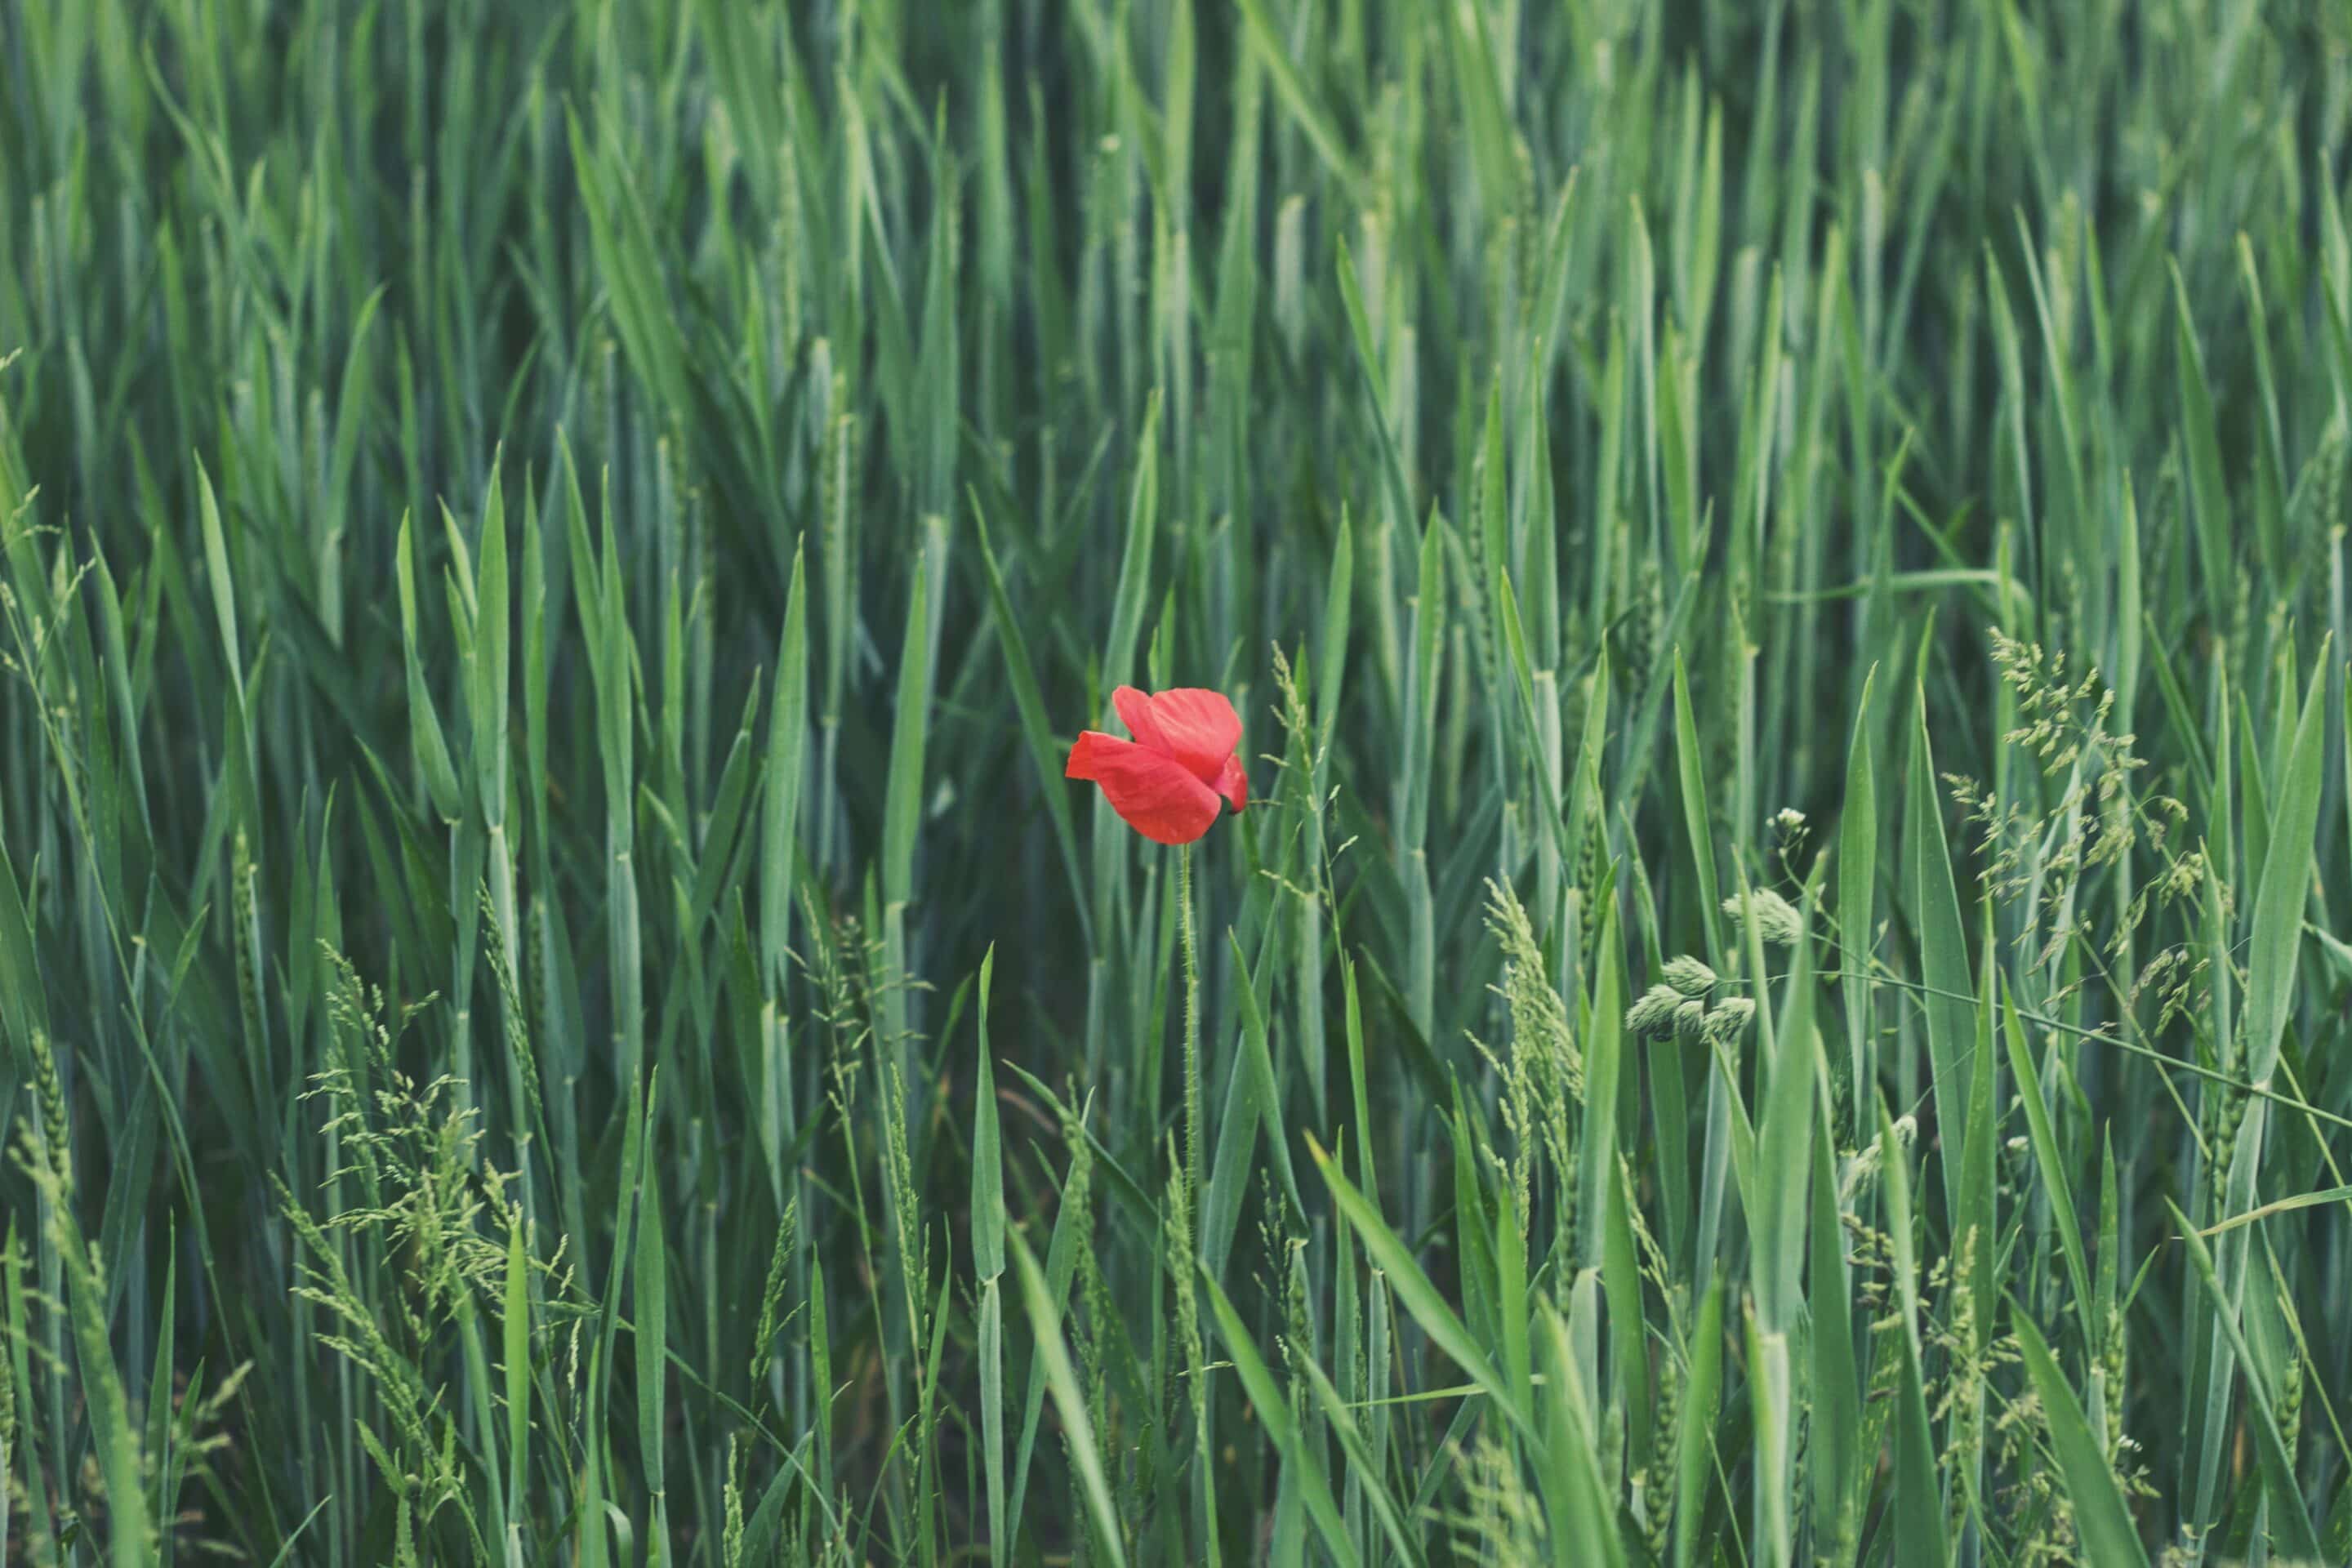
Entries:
{"x":556,"y":1006}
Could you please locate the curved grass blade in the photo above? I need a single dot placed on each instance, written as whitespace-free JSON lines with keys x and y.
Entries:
{"x":2102,"y":1518}
{"x":1300,"y":1462}
{"x":1421,"y":1299}
{"x":1069,"y":1398}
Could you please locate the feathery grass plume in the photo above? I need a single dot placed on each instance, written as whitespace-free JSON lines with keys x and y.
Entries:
{"x":1651,"y":1484}
{"x":840,"y":956}
{"x":2115,"y":1362}
{"x":1690,"y":977}
{"x":11,"y":1264}
{"x":2050,"y":1539}
{"x":2097,"y":822}
{"x":1653,"y":1012}
{"x":2315,"y":511}
{"x":437,"y":1216}
{"x":1777,"y":921}
{"x":1517,"y":1108}
{"x":1296,"y":1341}
{"x":1504,"y":1524}
{"x":1546,"y":1071}
{"x":730,"y":1534}
{"x":1291,"y":714}
{"x":1728,"y":1018}
{"x":530,"y":1117}
{"x":424,"y":1477}
{"x":772,"y":1317}
{"x":1194,"y":1370}
{"x":907,"y":1231}
{"x":1859,"y":1173}
{"x":1092,"y":1329}
{"x":1097,"y":1346}
{"x":55,"y":1148}
{"x":1641,"y":631}
{"x":1971,"y":1354}
{"x":244,"y":904}
{"x":112,"y":1481}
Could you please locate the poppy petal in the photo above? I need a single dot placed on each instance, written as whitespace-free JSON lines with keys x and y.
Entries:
{"x":1233,"y":783}
{"x":1135,"y":712}
{"x":1198,"y":728}
{"x":1082,"y":755}
{"x":1150,"y":791}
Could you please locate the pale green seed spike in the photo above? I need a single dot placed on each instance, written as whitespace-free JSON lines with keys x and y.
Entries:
{"x":1690,"y":977}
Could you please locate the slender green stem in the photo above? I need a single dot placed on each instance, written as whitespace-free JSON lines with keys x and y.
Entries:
{"x":1191,"y":1029}
{"x":1188,"y":1209}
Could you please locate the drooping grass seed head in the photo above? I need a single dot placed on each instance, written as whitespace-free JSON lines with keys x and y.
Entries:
{"x":1690,"y":977}
{"x":1653,"y":1012}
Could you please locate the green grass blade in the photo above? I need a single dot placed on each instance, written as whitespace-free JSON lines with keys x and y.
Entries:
{"x":1918,"y":1503}
{"x":1428,"y":1307}
{"x":1856,"y":909}
{"x":1943,"y":956}
{"x":1069,"y":1399}
{"x":2101,"y":1515}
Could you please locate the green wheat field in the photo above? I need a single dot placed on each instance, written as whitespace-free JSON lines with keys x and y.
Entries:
{"x":1784,"y":994}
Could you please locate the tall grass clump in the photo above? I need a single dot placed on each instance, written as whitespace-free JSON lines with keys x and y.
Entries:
{"x":1779,"y":997}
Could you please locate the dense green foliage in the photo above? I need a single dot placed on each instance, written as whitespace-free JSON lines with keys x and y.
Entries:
{"x":1784,"y":568}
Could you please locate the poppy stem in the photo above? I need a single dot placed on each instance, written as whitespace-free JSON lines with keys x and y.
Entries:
{"x":1191,"y":1029}
{"x":1188,"y":1184}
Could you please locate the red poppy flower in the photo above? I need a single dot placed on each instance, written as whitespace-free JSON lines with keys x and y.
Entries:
{"x":1165,"y":784}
